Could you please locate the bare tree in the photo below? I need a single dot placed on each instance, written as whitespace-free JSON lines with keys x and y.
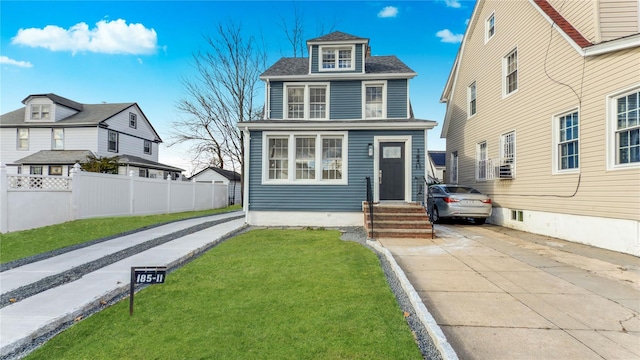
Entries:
{"x":223,"y":93}
{"x":295,"y":32}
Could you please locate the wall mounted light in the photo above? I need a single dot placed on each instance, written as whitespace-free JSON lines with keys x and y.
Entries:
{"x":370,"y":150}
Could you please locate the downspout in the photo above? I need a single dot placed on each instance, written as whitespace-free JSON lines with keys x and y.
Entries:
{"x":245,"y":172}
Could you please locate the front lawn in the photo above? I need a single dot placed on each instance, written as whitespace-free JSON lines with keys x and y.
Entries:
{"x":21,"y":244}
{"x":265,"y":294}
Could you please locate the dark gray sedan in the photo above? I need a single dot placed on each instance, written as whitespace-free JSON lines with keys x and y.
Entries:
{"x":456,"y":201}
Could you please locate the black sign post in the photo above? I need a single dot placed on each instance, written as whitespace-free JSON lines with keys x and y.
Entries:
{"x":145,"y":275}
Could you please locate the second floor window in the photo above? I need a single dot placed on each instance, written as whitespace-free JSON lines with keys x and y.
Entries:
{"x":374,"y":101}
{"x":133,"y":120}
{"x":511,"y":72}
{"x":112,"y":142}
{"x":40,"y":112}
{"x":57,"y":139}
{"x":23,"y":139}
{"x":471,"y":93}
{"x":147,"y":147}
{"x":306,"y":101}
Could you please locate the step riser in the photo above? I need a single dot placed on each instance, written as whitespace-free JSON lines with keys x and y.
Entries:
{"x":400,"y":226}
{"x":422,"y":217}
{"x":377,"y":235}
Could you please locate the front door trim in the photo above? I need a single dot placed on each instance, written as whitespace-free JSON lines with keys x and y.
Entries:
{"x":406,"y":139}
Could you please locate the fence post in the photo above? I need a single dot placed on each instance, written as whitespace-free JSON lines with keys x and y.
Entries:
{"x":132,"y":187}
{"x":4,"y":218}
{"x":75,"y":191}
{"x":169,"y":193}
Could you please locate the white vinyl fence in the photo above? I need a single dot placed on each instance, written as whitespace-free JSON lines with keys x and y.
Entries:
{"x":31,"y":201}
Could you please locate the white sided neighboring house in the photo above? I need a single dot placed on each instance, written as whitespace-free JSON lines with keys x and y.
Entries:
{"x":543,"y":115}
{"x":217,"y":175}
{"x":51,"y":133}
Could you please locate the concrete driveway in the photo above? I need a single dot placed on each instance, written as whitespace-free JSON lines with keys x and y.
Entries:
{"x":499,"y":293}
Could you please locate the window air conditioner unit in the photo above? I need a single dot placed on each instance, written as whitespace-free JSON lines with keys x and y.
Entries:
{"x":505,"y":171}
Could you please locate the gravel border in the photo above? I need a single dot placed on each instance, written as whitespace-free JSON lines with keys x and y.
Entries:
{"x":423,"y":338}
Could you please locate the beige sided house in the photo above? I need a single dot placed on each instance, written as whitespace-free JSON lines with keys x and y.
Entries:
{"x":543,"y":115}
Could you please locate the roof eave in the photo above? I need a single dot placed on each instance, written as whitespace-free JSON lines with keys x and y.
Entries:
{"x":627,"y":42}
{"x":348,"y":76}
{"x":414,"y":124}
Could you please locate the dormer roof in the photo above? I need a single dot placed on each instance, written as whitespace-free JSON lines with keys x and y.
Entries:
{"x":373,"y":65}
{"x":57,"y":100}
{"x":338,"y":36}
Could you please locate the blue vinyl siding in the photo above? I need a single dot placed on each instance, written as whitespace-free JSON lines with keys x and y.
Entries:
{"x":315,"y":56}
{"x":338,"y":198}
{"x":276,"y":98}
{"x":346,"y":100}
{"x":397,"y":99}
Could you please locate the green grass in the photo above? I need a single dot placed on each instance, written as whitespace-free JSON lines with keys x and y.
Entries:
{"x":265,"y":294}
{"x":21,"y":244}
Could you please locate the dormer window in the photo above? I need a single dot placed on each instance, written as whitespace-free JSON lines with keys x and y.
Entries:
{"x":337,"y":58}
{"x":40,"y":112}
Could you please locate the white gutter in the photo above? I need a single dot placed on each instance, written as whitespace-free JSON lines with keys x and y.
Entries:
{"x":334,"y":76}
{"x":341,"y":125}
{"x":267,"y":101}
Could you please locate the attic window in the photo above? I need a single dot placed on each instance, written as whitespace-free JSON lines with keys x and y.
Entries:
{"x":133,"y":120}
{"x":490,"y":28}
{"x":337,"y":58}
{"x":40,"y":112}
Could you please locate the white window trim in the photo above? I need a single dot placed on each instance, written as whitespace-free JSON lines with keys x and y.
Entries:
{"x":555,"y":136}
{"x":469,"y":114}
{"x":453,"y":177}
{"x":611,"y":145}
{"x":53,"y":139}
{"x":505,"y":83}
{"x":18,"y":139}
{"x":144,"y":143}
{"x":477,"y":160}
{"x":336,"y":48}
{"x":488,"y":37}
{"x":134,"y":117}
{"x":39,"y":118}
{"x":384,"y":98}
{"x":503,"y":137}
{"x":307,"y":100}
{"x":291,"y":180}
{"x":117,"y":141}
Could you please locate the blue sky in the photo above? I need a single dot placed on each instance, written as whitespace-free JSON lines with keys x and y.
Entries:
{"x":139,"y":51}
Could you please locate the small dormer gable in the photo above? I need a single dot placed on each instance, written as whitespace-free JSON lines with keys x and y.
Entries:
{"x":48,"y":108}
{"x":337,"y":53}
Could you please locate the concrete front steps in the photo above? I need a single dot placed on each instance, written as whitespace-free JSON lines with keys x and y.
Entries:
{"x":395,"y":220}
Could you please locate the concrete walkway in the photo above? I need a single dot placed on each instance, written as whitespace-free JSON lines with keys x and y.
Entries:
{"x":46,"y":311}
{"x":498,"y":293}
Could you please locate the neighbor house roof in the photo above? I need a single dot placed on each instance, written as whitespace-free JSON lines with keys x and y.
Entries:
{"x":55,"y":157}
{"x":58,"y":100}
{"x":372,"y":65}
{"x":228,"y":174}
{"x":140,"y":162}
{"x":438,"y":158}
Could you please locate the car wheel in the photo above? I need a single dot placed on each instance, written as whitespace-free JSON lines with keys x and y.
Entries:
{"x":435,"y":217}
{"x":479,"y":221}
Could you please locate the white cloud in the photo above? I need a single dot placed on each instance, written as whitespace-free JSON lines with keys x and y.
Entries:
{"x":389,"y":11}
{"x":452,"y":3}
{"x":447,"y":36}
{"x":110,"y":37}
{"x":9,"y":61}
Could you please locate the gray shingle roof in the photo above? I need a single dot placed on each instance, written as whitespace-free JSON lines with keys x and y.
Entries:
{"x":58,"y":100}
{"x":91,"y":114}
{"x":138,"y":161}
{"x":337,"y":36}
{"x":373,"y":65}
{"x":55,"y":157}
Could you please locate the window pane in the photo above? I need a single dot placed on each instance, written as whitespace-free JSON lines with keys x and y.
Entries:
{"x":35,"y":111}
{"x":328,"y":59}
{"x":373,"y":101}
{"x":331,"y":158}
{"x":45,"y":112}
{"x":278,"y":158}
{"x":305,"y":158}
{"x":295,"y":100}
{"x":318,"y":102}
{"x":344,"y":59}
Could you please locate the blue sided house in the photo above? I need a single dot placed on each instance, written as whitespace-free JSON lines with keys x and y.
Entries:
{"x":331,"y":121}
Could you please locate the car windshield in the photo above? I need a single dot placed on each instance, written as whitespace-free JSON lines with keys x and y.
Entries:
{"x":461,"y":190}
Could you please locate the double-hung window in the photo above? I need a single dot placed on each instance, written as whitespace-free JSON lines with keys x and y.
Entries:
{"x":471,"y":96}
{"x":23,"y":139}
{"x":510,"y":72}
{"x":305,"y":158}
{"x":133,"y":120}
{"x":40,"y":112}
{"x":481,"y":161}
{"x":374,"y":100}
{"x":147,"y":147}
{"x":567,"y":135}
{"x":626,"y":129}
{"x":489,"y":28}
{"x":112,"y":141}
{"x":307,"y":101}
{"x":57,"y":139}
{"x":337,"y":58}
